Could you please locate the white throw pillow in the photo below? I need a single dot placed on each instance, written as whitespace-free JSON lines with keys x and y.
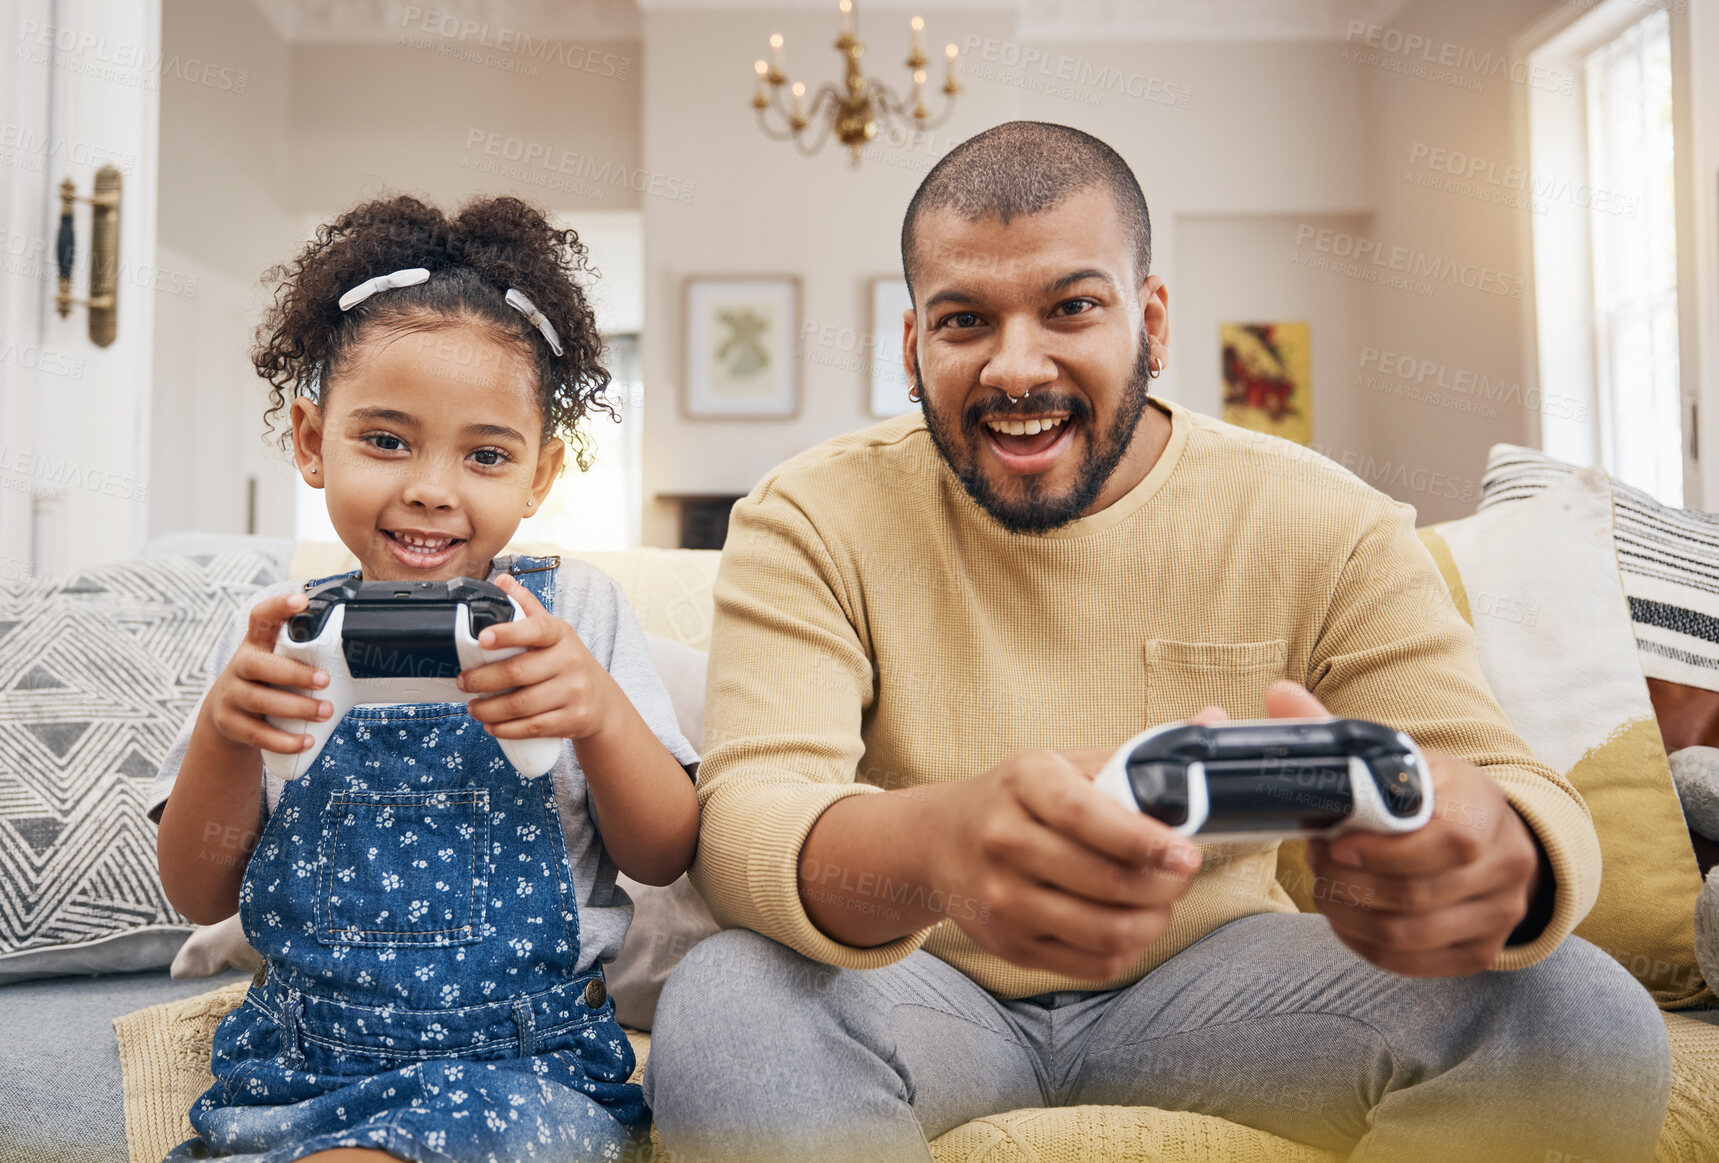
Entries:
{"x":1667,"y":557}
{"x":1538,"y":579}
{"x":213,"y":949}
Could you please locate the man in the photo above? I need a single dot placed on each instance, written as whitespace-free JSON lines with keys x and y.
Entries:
{"x":930,"y":634}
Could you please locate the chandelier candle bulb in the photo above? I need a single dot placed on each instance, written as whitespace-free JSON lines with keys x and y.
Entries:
{"x":950,"y":85}
{"x":854,"y":108}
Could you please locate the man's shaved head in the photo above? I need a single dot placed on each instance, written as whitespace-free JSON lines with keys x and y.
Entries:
{"x":1027,"y":167}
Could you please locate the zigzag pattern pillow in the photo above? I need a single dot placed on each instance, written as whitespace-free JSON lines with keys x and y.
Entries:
{"x":1668,"y":558}
{"x":98,"y":669}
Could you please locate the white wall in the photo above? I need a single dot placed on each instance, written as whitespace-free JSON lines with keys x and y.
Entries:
{"x":224,"y":162}
{"x":250,"y":169}
{"x":1470,"y":333}
{"x":759,"y":207}
{"x":1209,"y":251}
{"x":1267,"y":129}
{"x":411,"y":117}
{"x":615,"y":242}
{"x":223,"y":222}
{"x":1462,"y":333}
{"x":1305,"y":133}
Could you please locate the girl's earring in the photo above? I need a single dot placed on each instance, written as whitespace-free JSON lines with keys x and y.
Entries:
{"x":528,"y":504}
{"x":313,"y":468}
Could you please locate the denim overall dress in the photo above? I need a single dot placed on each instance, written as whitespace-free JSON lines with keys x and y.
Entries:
{"x":412,"y":896}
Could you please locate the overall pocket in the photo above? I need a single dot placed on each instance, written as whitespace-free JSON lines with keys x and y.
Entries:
{"x":1182,"y":678}
{"x":403,"y":868}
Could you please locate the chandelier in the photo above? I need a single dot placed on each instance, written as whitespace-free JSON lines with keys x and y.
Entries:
{"x":854,"y":110}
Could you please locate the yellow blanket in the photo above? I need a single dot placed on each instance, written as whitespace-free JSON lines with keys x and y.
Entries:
{"x":164,"y":1056}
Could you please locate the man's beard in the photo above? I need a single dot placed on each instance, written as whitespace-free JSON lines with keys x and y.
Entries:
{"x":1037,"y":511}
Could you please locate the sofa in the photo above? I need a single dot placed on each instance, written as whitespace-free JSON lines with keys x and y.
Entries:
{"x":65,"y":1096}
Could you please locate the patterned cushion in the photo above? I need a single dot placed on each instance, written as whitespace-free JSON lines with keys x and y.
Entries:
{"x":1668,"y":558}
{"x":1538,"y":581}
{"x":98,"y":669}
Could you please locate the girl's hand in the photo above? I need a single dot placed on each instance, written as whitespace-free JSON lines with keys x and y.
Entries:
{"x":556,"y":689}
{"x":247,"y":689}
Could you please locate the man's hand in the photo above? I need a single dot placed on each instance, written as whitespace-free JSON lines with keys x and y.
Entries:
{"x":1437,"y":902}
{"x":556,"y":689}
{"x":1069,"y":881}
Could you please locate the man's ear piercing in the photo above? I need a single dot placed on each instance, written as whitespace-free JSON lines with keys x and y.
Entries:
{"x":913,"y":393}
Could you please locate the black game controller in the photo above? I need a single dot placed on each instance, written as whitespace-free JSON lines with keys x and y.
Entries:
{"x":1273,"y":779}
{"x":397,"y":642}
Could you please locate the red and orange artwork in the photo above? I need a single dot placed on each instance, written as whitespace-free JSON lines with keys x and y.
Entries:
{"x":1268,"y":378}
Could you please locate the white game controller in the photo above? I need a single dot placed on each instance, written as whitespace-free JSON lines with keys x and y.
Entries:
{"x":396,"y":642}
{"x":1272,"y":779}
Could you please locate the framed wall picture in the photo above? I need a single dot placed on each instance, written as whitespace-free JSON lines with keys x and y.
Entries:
{"x":1268,"y":378}
{"x":888,"y":382}
{"x":740,"y":356}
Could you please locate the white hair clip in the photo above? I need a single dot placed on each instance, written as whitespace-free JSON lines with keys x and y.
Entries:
{"x":411,"y":276}
{"x":517,"y":300}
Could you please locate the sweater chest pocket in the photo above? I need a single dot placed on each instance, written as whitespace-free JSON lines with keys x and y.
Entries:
{"x":1183,"y":678}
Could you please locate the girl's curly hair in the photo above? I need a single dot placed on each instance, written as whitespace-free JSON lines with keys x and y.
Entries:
{"x":492,"y":244}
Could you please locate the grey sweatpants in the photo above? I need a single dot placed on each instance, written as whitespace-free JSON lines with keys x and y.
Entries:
{"x":759,"y":1053}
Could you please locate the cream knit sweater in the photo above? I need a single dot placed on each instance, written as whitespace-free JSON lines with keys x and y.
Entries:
{"x":876,"y":629}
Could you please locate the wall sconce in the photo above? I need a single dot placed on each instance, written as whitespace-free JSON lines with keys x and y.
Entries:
{"x":104,"y":254}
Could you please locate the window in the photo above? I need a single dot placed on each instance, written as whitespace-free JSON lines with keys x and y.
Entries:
{"x":1629,"y":148}
{"x":599,"y":508}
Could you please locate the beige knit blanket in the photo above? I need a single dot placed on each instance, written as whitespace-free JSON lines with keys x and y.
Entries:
{"x":164,"y":1057}
{"x":164,"y":1063}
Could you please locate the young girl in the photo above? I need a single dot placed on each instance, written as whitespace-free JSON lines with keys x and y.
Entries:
{"x":434,"y":923}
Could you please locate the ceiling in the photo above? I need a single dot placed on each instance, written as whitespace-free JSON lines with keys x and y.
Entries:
{"x":1142,"y":20}
{"x":383,"y":21}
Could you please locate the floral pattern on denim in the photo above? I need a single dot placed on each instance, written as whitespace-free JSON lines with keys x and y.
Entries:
{"x":412,"y":896}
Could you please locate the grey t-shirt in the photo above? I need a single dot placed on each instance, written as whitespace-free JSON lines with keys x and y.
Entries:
{"x":592,"y":603}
